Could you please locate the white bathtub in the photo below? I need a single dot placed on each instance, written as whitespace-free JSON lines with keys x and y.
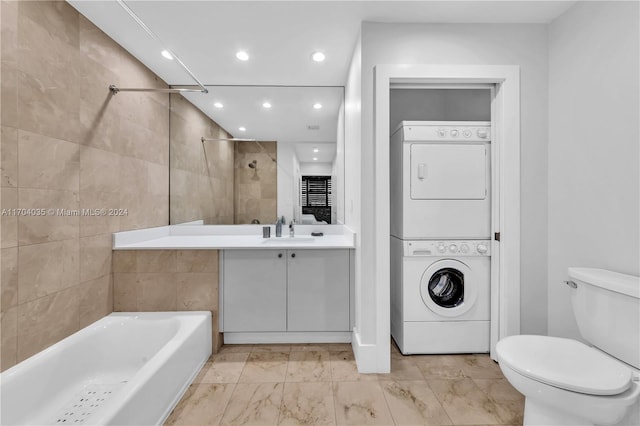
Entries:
{"x":126,"y":369}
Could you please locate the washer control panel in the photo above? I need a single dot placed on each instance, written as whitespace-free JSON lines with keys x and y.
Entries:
{"x":457,"y":248}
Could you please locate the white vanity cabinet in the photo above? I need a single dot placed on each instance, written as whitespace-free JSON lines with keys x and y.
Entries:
{"x":255,"y":290}
{"x":288,"y":290}
{"x":318,"y":290}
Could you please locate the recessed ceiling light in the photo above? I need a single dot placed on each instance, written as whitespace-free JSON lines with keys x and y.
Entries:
{"x":242,"y":55}
{"x":318,"y":56}
{"x":242,"y":129}
{"x":266,"y":105}
{"x":218,"y":105}
{"x":315,"y":150}
{"x":317,"y":106}
{"x":315,"y":158}
{"x":167,"y":54}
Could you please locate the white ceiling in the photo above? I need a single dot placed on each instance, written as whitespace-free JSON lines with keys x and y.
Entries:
{"x":280,"y":37}
{"x":288,"y":118}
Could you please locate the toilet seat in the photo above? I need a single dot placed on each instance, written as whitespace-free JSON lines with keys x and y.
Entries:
{"x":566,"y":364}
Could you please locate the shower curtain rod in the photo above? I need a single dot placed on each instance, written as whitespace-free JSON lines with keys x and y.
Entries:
{"x":203,"y":139}
{"x":115,"y":89}
{"x":135,"y":17}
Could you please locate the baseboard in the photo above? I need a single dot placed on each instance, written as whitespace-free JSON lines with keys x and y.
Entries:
{"x":365,"y":354}
{"x":288,"y":337}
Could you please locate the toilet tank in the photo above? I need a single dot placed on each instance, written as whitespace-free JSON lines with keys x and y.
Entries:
{"x":607,"y":309}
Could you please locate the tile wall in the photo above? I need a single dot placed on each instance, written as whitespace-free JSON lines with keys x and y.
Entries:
{"x":201,"y":172}
{"x":69,"y":144}
{"x":167,"y":280}
{"x":256,"y":188}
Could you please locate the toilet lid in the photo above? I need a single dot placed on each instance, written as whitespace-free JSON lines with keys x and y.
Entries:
{"x":565,"y":363}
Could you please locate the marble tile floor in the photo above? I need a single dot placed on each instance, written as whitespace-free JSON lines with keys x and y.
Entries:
{"x":319,"y":384}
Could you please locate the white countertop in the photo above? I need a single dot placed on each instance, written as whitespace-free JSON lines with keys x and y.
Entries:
{"x":202,"y":237}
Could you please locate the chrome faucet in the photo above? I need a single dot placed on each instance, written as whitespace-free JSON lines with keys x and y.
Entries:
{"x":292,"y":231}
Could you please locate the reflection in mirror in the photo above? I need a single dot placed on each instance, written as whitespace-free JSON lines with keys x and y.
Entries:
{"x":252,"y":154}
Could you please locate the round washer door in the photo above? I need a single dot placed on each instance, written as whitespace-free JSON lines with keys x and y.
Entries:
{"x":446,"y":288}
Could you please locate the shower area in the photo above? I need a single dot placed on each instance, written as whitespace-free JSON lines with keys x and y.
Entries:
{"x":214,"y":178}
{"x":255,"y":182}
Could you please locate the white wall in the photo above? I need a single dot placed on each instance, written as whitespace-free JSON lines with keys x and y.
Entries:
{"x":317,"y":169}
{"x":286,"y":155}
{"x":352,"y":183}
{"x":594,"y":183}
{"x":522,"y":45}
{"x":339,"y":171}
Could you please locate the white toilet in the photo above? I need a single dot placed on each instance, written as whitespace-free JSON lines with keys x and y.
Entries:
{"x":566,"y":382}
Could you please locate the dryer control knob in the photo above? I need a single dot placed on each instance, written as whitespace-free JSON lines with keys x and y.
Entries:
{"x":483,"y":133}
{"x":482,"y":248}
{"x":464,"y":248}
{"x":467,"y":133}
{"x":442,"y":133}
{"x":453,"y":248}
{"x":454,"y":133}
{"x":442,"y":248}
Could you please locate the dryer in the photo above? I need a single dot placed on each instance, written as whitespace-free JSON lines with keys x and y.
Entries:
{"x":440,"y":296}
{"x":441,"y":180}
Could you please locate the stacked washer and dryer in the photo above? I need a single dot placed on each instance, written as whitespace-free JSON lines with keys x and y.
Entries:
{"x":440,"y":236}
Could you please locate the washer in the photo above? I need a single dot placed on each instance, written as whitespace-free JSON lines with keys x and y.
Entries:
{"x":441,"y":180}
{"x":440,"y":296}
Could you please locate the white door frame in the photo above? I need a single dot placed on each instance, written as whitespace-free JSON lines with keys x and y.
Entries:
{"x":505,"y":261}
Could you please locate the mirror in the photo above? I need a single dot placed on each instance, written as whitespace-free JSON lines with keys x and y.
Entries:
{"x":252,"y":154}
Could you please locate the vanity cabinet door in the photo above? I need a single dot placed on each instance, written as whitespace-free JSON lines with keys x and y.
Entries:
{"x":318,"y":290}
{"x":255,"y":290}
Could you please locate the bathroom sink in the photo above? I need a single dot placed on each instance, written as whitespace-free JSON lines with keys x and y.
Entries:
{"x":288,"y":240}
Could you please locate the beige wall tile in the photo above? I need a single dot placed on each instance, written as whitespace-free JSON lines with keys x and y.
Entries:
{"x":197,"y":261}
{"x":133,"y":175}
{"x":9,"y":341}
{"x":48,"y":93}
{"x":197,"y":291}
{"x":156,"y":292}
{"x":60,"y":221}
{"x":9,"y":228}
{"x":9,"y":156}
{"x":99,"y":223}
{"x":99,"y":170}
{"x":95,"y":256}
{"x":47,"y":163}
{"x":8,"y":278}
{"x":124,"y":260}
{"x":156,"y":260}
{"x":44,"y":104}
{"x":96,"y":300}
{"x":47,"y":268}
{"x":47,"y":320}
{"x":97,"y":46}
{"x":125,"y":292}
{"x":61,"y":21}
{"x":157,"y":179}
{"x":9,"y":94}
{"x":9,"y":32}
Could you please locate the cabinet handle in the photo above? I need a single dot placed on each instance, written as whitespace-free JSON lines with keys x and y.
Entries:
{"x":293,"y":255}
{"x":279,"y":254}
